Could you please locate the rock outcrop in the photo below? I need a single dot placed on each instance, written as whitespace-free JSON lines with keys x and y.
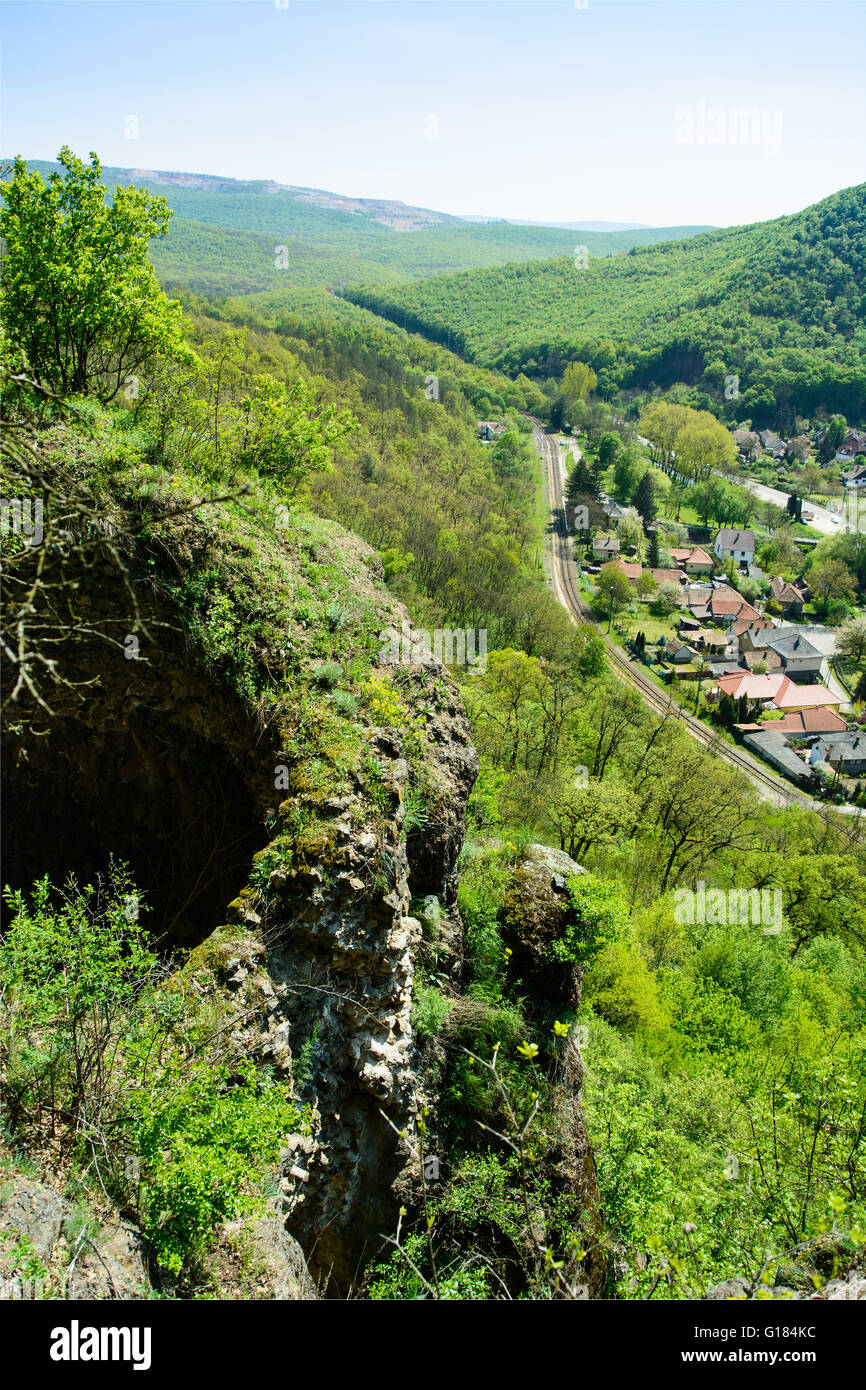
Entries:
{"x":328,"y":958}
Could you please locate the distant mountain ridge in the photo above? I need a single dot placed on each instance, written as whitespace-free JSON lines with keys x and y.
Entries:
{"x":231,"y":237}
{"x":773,"y":313}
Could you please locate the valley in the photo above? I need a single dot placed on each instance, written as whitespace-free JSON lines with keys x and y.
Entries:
{"x":433,"y":666}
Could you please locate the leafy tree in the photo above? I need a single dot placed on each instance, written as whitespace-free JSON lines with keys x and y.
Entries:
{"x":851,"y":643}
{"x":612,"y":589}
{"x":600,"y":914}
{"x":582,"y":481}
{"x":622,"y":989}
{"x":644,"y":498}
{"x":79,"y":294}
{"x":289,"y":435}
{"x":831,"y":579}
{"x":609,"y":447}
{"x":578,"y":382}
{"x":557,"y":416}
{"x":661,"y":422}
{"x":630,"y":529}
{"x":626,"y":472}
{"x":667,"y":599}
{"x":823,"y":894}
{"x":704,"y":446}
{"x":653,"y":559}
{"x":594,"y":816}
{"x":834,"y":434}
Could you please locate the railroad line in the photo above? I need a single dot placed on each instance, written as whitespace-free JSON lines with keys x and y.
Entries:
{"x":566,"y":589}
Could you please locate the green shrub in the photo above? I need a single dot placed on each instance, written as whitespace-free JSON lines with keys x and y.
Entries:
{"x":429,"y":1011}
{"x":601,"y":915}
{"x":95,"y":1052}
{"x":202,"y":1141}
{"x":327,"y":674}
{"x":345,"y":704}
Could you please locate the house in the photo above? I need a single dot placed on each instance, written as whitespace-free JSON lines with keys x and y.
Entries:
{"x":854,"y":443}
{"x":735,"y":545}
{"x":612,"y":510}
{"x":789,"y":597}
{"x":774,"y":749}
{"x":773,"y":445}
{"x":675,"y":577}
{"x":693,"y":559}
{"x":706,"y":639}
{"x":721,"y":604}
{"x":490,"y":430}
{"x":855,"y":477}
{"x":799,"y":657}
{"x":757,"y":636}
{"x":800,"y":447}
{"x":824,"y":638}
{"x":680,"y":653}
{"x":631,"y":570}
{"x":606,"y":547}
{"x":689,"y":625}
{"x":776,"y":690}
{"x":743,"y":625}
{"x":802,"y":723}
{"x":845,"y":753}
{"x":747,"y":443}
{"x":765,"y":657}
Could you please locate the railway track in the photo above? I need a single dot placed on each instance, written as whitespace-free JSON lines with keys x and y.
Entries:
{"x":565,"y":587}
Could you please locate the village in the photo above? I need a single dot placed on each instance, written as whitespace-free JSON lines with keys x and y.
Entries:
{"x":748,"y":651}
{"x":759,"y":667}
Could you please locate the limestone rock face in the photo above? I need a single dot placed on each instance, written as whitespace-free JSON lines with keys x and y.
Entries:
{"x":81,"y":1261}
{"x":849,"y":1288}
{"x":331,"y":962}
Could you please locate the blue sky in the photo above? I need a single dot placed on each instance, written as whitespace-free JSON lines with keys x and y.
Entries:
{"x":539,"y":111}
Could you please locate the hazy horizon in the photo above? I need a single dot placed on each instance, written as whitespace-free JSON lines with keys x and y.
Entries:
{"x":626,"y":111}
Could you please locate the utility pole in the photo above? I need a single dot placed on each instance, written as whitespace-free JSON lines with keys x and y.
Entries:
{"x":701,"y":668}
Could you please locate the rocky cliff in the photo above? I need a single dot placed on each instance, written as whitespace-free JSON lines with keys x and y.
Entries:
{"x":290,"y":809}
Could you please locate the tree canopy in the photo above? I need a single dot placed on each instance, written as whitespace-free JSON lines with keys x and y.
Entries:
{"x":79,"y":294}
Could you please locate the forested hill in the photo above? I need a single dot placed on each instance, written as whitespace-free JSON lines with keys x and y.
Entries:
{"x":780,"y":304}
{"x":233,"y":237}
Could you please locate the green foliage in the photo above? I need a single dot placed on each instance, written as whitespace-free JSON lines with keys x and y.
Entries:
{"x":396,"y":1279}
{"x":79,"y":295}
{"x":622,"y":989}
{"x":780,"y":304}
{"x":430,"y":1009}
{"x":95,"y":1041}
{"x":70,"y":955}
{"x":480,"y":896}
{"x":600,"y":915}
{"x":203,"y":1142}
{"x":288,"y":434}
{"x":483,"y":812}
{"x":220,"y":629}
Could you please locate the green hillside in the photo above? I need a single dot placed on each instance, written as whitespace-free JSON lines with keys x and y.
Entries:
{"x":225,"y":235}
{"x":780,"y":304}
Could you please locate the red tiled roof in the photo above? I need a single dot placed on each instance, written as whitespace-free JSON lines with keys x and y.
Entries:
{"x":784,"y":592}
{"x":691,"y":554}
{"x":631,"y":570}
{"x":775,"y":687}
{"x":743,"y":624}
{"x":799,"y":696}
{"x":819,"y":720}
